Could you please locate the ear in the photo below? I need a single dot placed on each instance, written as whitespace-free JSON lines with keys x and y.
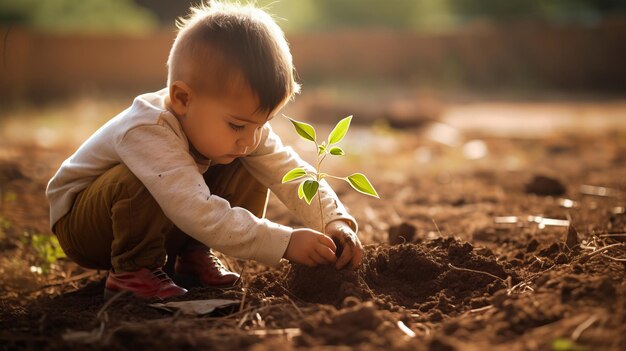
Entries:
{"x":180,"y":95}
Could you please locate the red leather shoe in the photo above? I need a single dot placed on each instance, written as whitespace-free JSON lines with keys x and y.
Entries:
{"x":200,"y":267}
{"x":142,"y":283}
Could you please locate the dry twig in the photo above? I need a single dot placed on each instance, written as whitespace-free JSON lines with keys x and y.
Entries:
{"x":584,"y":326}
{"x":475,"y":271}
{"x":586,"y":257}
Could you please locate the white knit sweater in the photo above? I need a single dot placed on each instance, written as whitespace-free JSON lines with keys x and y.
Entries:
{"x":149,"y":140}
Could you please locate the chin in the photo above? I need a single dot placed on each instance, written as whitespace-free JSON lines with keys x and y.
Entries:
{"x":223,"y":161}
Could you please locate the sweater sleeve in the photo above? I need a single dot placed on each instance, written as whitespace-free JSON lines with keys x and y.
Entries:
{"x":160,"y":160}
{"x":271,"y":160}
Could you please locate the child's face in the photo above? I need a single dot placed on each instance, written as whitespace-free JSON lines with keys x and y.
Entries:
{"x":223,"y":128}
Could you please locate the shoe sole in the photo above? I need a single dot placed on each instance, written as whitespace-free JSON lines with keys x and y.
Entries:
{"x":191,"y":281}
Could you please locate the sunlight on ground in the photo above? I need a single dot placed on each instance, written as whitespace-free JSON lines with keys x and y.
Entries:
{"x":537,"y":120}
{"x":58,"y":125}
{"x":455,"y":136}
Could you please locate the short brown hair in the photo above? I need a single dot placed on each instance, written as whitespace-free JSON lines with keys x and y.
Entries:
{"x":220,"y":44}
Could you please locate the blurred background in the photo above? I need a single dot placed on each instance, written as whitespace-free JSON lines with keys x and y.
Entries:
{"x":60,"y":48}
{"x":509,"y":68}
{"x":403,"y":63}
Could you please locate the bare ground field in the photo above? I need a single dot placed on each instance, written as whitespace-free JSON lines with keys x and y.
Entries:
{"x":501,"y":226}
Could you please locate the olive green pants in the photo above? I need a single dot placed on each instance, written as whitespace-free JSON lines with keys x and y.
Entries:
{"x":116,"y":223}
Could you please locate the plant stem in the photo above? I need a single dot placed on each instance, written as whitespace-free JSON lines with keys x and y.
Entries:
{"x":319,"y":198}
{"x":319,"y":191}
{"x":335,"y":177}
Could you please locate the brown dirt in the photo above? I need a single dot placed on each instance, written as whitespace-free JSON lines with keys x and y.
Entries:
{"x":460,"y":280}
{"x":414,"y":276}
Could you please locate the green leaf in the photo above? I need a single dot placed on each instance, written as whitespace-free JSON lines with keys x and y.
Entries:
{"x":301,"y":191}
{"x":294,"y":174}
{"x":339,"y":131}
{"x":305,"y":130}
{"x":360,"y":183}
{"x":336,"y":151}
{"x":564,"y":344}
{"x":321,"y":149}
{"x":309,"y":188}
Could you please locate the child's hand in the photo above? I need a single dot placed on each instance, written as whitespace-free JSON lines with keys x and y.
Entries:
{"x":351,"y":245}
{"x":310,"y":247}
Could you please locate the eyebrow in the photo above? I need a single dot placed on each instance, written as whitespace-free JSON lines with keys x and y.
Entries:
{"x":249,"y":121}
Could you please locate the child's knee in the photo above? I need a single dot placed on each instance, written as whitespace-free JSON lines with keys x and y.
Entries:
{"x":122,"y":175}
{"x":127,"y":186}
{"x":130,"y":197}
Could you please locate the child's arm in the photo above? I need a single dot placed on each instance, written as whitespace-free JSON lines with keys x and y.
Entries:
{"x":270,"y":161}
{"x":161,"y":160}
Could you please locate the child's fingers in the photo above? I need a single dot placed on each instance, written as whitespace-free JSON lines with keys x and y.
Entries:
{"x":326,"y":253}
{"x":328,"y":242}
{"x":346,"y":255}
{"x":356,"y":256}
{"x":317,"y":258}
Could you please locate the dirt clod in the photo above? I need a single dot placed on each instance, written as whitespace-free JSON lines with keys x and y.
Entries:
{"x":545,"y":186}
{"x":402,"y":233}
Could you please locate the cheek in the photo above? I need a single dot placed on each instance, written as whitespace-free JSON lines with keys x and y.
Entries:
{"x":222,"y":137}
{"x":201,"y":131}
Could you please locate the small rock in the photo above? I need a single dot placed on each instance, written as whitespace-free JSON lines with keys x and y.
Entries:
{"x":617,"y":224}
{"x":545,"y":186}
{"x":572,"y":237}
{"x":577,"y":268}
{"x":532,"y":246}
{"x":435,"y":315}
{"x":561,"y":258}
{"x":400,"y":234}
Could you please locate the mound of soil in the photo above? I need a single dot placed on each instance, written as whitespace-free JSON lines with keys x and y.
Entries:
{"x":441,"y":277}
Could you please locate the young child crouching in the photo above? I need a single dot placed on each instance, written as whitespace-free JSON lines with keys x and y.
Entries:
{"x":188,"y":168}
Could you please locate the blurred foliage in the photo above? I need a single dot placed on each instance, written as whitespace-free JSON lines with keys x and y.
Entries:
{"x":46,"y":247}
{"x":434,"y":14}
{"x":82,"y":15}
{"x":549,"y":10}
{"x":302,"y":15}
{"x":305,"y":15}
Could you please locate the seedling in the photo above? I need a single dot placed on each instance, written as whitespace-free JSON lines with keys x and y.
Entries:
{"x":310,"y":181}
{"x":48,"y":250}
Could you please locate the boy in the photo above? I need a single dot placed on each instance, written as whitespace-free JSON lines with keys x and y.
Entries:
{"x":187,"y":168}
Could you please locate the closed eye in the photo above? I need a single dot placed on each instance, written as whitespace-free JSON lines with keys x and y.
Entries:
{"x":235,"y":127}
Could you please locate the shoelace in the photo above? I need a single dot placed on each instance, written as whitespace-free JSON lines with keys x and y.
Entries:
{"x":217,"y":262}
{"x":161,"y":276}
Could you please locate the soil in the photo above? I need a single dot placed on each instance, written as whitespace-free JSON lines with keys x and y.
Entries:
{"x":455,"y":258}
